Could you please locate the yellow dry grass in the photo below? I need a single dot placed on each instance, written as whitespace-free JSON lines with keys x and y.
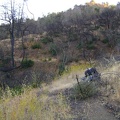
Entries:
{"x":31,"y":106}
{"x":111,"y":77}
{"x":38,"y":104}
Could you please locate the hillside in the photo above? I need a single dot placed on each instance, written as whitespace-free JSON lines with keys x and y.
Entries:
{"x":58,"y":101}
{"x":85,"y":32}
{"x":38,"y":66}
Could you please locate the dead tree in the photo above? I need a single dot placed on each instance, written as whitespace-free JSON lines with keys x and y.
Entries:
{"x":13,"y":16}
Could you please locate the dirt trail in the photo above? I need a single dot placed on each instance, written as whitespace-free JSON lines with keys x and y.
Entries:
{"x":90,"y":109}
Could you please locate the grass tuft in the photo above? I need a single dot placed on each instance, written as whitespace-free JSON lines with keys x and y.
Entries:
{"x":36,"y":46}
{"x":27,"y":63}
{"x":84,"y":90}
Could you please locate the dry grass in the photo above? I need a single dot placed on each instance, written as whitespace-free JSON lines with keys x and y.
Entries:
{"x":34,"y":104}
{"x":31,"y":106}
{"x":111,"y":79}
{"x":111,"y":86}
{"x":76,"y":68}
{"x":37,"y":104}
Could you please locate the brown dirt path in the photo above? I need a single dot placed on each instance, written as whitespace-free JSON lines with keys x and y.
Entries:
{"x":90,"y":109}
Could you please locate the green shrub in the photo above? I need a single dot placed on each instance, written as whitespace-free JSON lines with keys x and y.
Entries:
{"x":97,"y":10}
{"x":56,"y":34}
{"x":110,"y":45}
{"x":79,"y":46}
{"x":18,"y":90}
{"x":32,"y":39}
{"x":1,"y":65}
{"x":46,"y":40}
{"x":105,"y":41}
{"x":84,"y":90}
{"x":90,"y":47}
{"x":90,"y":42}
{"x":23,"y":47}
{"x":27,"y":63}
{"x":97,"y":27}
{"x":36,"y":46}
{"x":10,"y":92}
{"x":49,"y":59}
{"x":61,"y":69}
{"x":35,"y":85}
{"x":73,"y":37}
{"x":53,"y":50}
{"x":44,"y":60}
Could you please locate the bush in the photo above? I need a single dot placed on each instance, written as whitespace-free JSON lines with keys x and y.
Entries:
{"x":32,"y":39}
{"x":22,"y":47}
{"x":85,"y":90}
{"x":90,"y":42}
{"x":61,"y":69}
{"x":49,"y":59}
{"x":105,"y":41}
{"x":36,"y":46}
{"x":79,"y":46}
{"x":27,"y":63}
{"x":90,"y":47}
{"x":18,"y":90}
{"x":73,"y":37}
{"x":53,"y":50}
{"x":46,"y":40}
{"x":5,"y":62}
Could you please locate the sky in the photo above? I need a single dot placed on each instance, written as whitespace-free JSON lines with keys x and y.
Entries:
{"x":43,"y":7}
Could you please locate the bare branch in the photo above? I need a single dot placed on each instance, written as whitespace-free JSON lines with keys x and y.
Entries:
{"x":28,"y":9}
